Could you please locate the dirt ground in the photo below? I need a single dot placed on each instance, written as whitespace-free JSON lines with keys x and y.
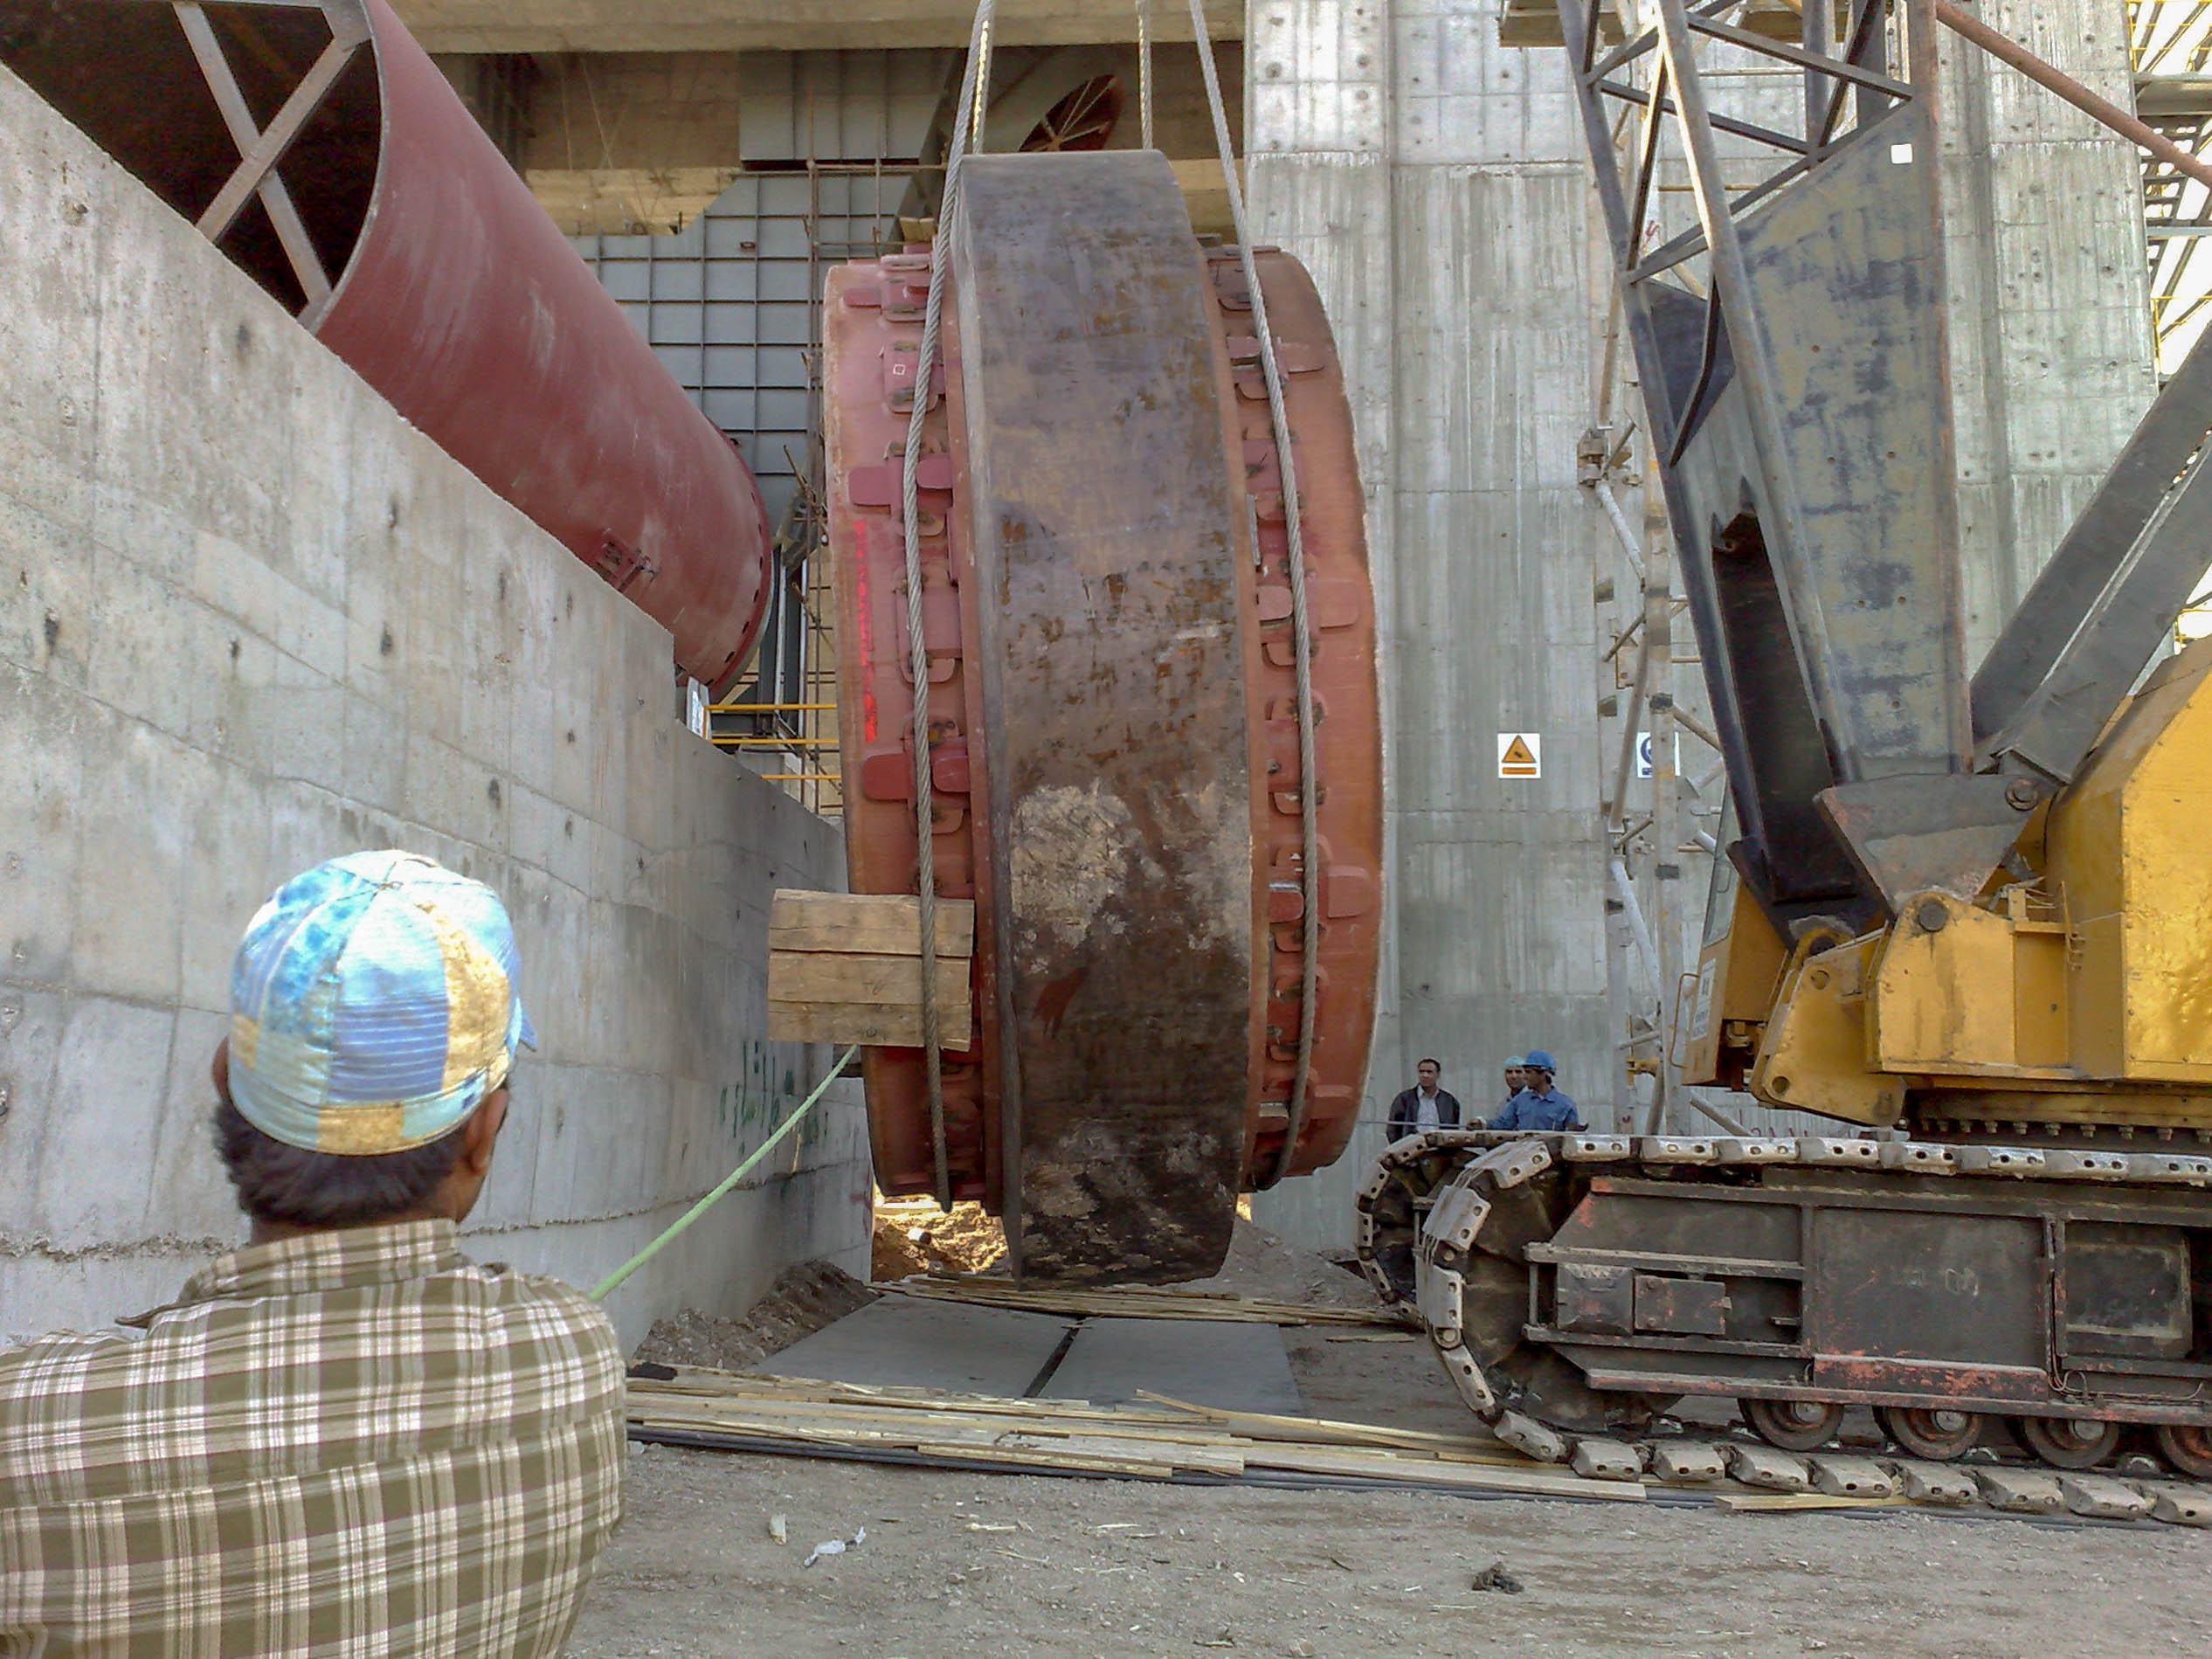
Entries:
{"x":957,"y":1564}
{"x":804,"y":1299}
{"x":913,"y":1235}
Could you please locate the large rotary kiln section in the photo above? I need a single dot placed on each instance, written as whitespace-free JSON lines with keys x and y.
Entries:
{"x":403,"y":239}
{"x":1112,"y":709}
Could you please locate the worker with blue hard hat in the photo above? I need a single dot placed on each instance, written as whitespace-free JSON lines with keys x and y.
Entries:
{"x":1538,"y":1105}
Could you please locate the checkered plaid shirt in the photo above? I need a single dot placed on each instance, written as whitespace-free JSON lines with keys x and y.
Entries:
{"x":346,"y":1444}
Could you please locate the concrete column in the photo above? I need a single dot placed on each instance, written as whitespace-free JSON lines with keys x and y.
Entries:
{"x":1434,"y":181}
{"x":2050,"y":336}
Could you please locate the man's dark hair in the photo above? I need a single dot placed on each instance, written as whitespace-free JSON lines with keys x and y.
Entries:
{"x":1439,"y":1064}
{"x":294,"y":1187}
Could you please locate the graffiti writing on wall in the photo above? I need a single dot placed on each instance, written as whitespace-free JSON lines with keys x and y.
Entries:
{"x":773,"y":1078}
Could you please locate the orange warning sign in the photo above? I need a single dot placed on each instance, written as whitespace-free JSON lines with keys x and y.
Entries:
{"x":1520,"y":754}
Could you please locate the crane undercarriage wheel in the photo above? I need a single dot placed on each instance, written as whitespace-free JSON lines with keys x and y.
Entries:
{"x":2068,"y":1442}
{"x":2187,"y":1446}
{"x":1937,"y":1433}
{"x":1794,"y":1424}
{"x":1396,"y":1201}
{"x":1573,"y":1284}
{"x":1114,"y":724}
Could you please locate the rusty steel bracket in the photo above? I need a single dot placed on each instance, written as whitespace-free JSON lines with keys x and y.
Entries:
{"x":1910,"y":835}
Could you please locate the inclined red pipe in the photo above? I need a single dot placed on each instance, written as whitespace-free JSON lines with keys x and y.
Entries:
{"x":465,"y":306}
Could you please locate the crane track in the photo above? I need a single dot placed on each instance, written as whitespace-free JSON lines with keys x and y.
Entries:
{"x":1430,"y":1198}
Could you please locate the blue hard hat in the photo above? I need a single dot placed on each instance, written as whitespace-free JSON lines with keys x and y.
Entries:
{"x":1541,"y":1059}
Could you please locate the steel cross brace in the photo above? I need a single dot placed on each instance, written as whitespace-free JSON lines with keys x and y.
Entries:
{"x":260,"y":151}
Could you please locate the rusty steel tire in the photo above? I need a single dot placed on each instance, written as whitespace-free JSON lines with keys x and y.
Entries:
{"x":2068,"y":1442}
{"x":2187,"y":1448}
{"x":1938,"y":1434}
{"x":1114,"y":736}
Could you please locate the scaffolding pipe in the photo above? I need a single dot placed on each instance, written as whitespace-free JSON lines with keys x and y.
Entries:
{"x":1620,"y":522}
{"x":1694,"y":1097}
{"x":1646,"y":948}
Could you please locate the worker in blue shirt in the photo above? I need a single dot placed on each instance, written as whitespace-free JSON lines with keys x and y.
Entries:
{"x":1538,"y":1105}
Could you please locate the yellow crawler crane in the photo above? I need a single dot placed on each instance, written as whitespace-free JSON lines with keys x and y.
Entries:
{"x":2074,"y":991}
{"x":1974,"y":913}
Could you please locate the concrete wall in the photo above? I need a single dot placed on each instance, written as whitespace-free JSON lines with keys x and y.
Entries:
{"x":1436,"y":185}
{"x":250,"y":618}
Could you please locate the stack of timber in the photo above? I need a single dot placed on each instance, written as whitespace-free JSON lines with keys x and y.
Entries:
{"x":1171,"y":1440}
{"x":1166,"y":1441}
{"x":847,"y":968}
{"x":1138,"y":1301}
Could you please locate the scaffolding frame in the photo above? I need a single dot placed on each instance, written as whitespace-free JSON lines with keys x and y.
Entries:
{"x":2170,"y":52}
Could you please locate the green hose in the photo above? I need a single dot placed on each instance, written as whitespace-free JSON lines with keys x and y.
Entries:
{"x":727,"y":1181}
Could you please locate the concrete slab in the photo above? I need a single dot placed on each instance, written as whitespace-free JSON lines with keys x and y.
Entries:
{"x":905,"y":1342}
{"x":1234,"y":1367}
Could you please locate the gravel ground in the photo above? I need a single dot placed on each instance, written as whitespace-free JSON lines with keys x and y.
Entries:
{"x":956,"y":1565}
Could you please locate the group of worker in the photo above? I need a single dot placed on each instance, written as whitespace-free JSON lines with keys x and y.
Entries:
{"x":1532,"y":1102}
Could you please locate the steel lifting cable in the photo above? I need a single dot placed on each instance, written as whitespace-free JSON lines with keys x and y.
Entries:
{"x":1309,"y":785}
{"x":968,"y":110}
{"x":1144,"y":72}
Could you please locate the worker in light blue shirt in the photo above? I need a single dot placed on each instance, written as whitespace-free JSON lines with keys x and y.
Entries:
{"x":1515,"y":1077}
{"x":1538,"y":1105}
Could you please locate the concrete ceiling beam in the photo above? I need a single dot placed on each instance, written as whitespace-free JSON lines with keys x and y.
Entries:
{"x":772,"y":25}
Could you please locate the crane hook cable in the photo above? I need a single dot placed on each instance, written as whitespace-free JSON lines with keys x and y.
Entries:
{"x":973,"y":86}
{"x":1144,"y":72}
{"x":1309,"y":785}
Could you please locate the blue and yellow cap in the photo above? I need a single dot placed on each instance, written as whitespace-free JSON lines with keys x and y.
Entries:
{"x":373,"y":1005}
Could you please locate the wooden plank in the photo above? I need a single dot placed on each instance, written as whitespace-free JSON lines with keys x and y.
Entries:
{"x":1144,"y":1469}
{"x":1040,"y":1434}
{"x":924,"y":1425}
{"x":1220,"y":1459}
{"x":1138,"y":1301}
{"x":853,"y":975}
{"x":871,"y":1025}
{"x":1315,"y":1431}
{"x":1380,"y":1466}
{"x":878,"y":924}
{"x":1758,"y":1501}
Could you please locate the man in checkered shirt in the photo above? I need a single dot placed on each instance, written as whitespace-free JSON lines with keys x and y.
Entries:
{"x":345,"y":1439}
